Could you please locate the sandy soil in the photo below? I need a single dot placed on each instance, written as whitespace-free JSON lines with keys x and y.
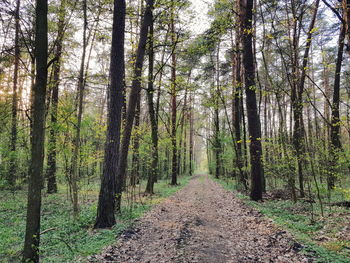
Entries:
{"x":203,"y":223}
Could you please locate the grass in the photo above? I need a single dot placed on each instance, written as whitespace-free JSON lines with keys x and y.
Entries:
{"x":64,"y":239}
{"x":324,"y":238}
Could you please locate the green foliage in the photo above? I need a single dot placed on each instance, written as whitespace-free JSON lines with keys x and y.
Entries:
{"x":64,"y":239}
{"x":295,"y":217}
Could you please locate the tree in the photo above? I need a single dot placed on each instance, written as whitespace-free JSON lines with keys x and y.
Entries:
{"x":106,"y":203}
{"x":173,"y":92}
{"x":13,"y":160}
{"x":79,"y":114}
{"x":152,"y":114}
{"x":254,"y":127}
{"x":335,"y":144}
{"x":299,"y":132}
{"x":35,"y":181}
{"x":52,"y":144}
{"x":133,"y":99}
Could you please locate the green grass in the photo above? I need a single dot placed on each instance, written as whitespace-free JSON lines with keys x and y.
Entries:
{"x":65,"y":239}
{"x":295,"y":217}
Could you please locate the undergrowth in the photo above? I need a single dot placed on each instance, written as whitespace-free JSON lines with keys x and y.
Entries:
{"x":64,"y":239}
{"x":319,"y":235}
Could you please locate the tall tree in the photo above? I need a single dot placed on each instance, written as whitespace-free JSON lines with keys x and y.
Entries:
{"x":152,"y":113}
{"x":299,"y":132}
{"x":173,"y":92}
{"x":35,"y":181}
{"x":335,"y":144}
{"x":52,"y":144}
{"x":106,"y":202}
{"x":79,"y":115}
{"x":13,"y":145}
{"x":133,"y":99}
{"x":254,"y":126}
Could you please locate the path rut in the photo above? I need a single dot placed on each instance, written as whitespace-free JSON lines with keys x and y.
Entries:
{"x":203,"y":223}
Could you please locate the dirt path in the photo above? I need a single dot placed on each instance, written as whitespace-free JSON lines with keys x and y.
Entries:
{"x":202,"y":223}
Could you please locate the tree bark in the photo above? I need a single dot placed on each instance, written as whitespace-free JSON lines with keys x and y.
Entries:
{"x":81,"y":90}
{"x":299,"y":131}
{"x":335,"y":144}
{"x":134,"y":95}
{"x":173,"y":92}
{"x":152,"y":115}
{"x":254,"y":126}
{"x":13,"y":156}
{"x":32,"y":235}
{"x":191,"y":159}
{"x":135,"y":173}
{"x":52,"y":151}
{"x":106,"y":203}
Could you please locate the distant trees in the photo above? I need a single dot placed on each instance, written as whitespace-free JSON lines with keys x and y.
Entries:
{"x":259,"y":97}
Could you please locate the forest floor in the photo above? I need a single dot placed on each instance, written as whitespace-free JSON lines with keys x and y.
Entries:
{"x":64,"y":239}
{"x":203,"y":223}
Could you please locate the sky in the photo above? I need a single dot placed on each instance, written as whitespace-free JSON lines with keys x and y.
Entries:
{"x":201,"y":22}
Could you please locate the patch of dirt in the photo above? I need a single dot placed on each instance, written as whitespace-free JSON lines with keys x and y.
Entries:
{"x":203,"y":223}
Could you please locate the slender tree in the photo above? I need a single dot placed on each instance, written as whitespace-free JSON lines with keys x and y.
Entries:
{"x":52,"y":145}
{"x":173,"y":92}
{"x":254,"y":127}
{"x":152,"y":113}
{"x":13,"y":145}
{"x":79,"y":116}
{"x":299,"y":132}
{"x":335,"y":144}
{"x":35,"y":181}
{"x":133,"y":99}
{"x":106,"y":202}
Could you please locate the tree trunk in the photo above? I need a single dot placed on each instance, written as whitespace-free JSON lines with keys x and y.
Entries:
{"x":335,"y":118}
{"x":81,"y":89}
{"x":13,"y":156}
{"x":299,"y":131}
{"x":254,"y":126}
{"x":152,"y":115}
{"x":191,"y":159}
{"x":174,"y":169}
{"x":134,"y":95}
{"x":106,"y":202}
{"x":237,"y":115}
{"x":135,"y":173}
{"x":217,"y":140}
{"x":32,"y":235}
{"x":52,"y":152}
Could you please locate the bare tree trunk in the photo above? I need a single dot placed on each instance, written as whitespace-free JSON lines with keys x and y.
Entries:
{"x":13,"y":156}
{"x":106,"y":202}
{"x":299,"y":131}
{"x":237,"y":107}
{"x":252,"y":109}
{"x":335,"y":146}
{"x":217,"y":146}
{"x":152,"y":115}
{"x":182,"y":127}
{"x":134,"y":95}
{"x":52,"y":152}
{"x":173,"y":101}
{"x":32,"y":235}
{"x":81,"y":89}
{"x":135,"y":171}
{"x":191,"y":159}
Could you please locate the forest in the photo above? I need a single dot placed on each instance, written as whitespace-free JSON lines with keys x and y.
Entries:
{"x":174,"y":131}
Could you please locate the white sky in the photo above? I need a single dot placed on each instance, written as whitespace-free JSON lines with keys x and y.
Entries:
{"x":201,"y":22}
